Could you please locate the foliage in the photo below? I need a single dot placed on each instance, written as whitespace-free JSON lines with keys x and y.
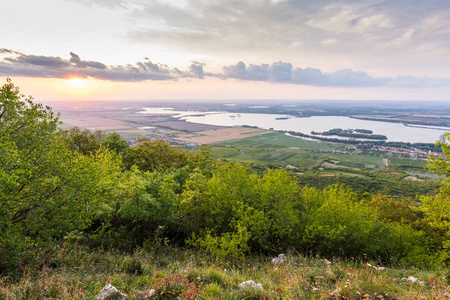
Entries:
{"x":374,"y":183}
{"x":174,"y":287}
{"x":132,"y":265}
{"x":394,"y":210}
{"x":46,"y":190}
{"x":82,"y":273}
{"x":139,"y":203}
{"x":352,"y":133}
{"x":155,"y":155}
{"x":340,"y":225}
{"x":72,"y":185}
{"x":227,"y":245}
{"x":265,"y":205}
{"x":85,"y":141}
{"x":114,"y":141}
{"x":436,"y":209}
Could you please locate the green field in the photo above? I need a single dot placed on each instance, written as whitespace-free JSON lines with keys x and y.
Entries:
{"x":409,"y":164}
{"x":280,"y":149}
{"x":320,"y":164}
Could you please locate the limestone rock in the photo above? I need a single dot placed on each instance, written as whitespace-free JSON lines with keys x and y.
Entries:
{"x":250,"y":284}
{"x":278,"y":260}
{"x":111,"y":293}
{"x":327,"y":262}
{"x":415,"y":280}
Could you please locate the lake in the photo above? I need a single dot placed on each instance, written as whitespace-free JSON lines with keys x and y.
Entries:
{"x":393,"y":131}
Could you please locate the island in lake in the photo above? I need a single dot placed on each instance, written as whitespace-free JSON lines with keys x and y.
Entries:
{"x":352,"y":133}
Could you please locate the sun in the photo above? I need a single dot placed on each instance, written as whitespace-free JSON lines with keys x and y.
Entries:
{"x":77,"y":82}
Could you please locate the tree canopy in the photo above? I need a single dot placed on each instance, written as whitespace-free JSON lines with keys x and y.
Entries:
{"x":91,"y":186}
{"x":46,"y":190}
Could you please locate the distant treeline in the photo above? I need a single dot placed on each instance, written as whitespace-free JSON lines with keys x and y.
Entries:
{"x":373,"y":183}
{"x":352,"y":133}
{"x":421,"y":146}
{"x":404,"y":122}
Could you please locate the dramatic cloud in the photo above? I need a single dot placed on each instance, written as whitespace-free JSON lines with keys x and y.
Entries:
{"x":284,"y":72}
{"x":85,"y":64}
{"x":360,"y":32}
{"x":4,"y":50}
{"x":253,"y":72}
{"x":196,"y":69}
{"x":19,"y":64}
{"x":56,"y":67}
{"x":41,"y":61}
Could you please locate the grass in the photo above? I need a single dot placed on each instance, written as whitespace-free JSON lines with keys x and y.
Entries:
{"x":278,"y":147}
{"x":80,"y":273}
{"x":220,"y":151}
{"x":409,"y":164}
{"x":305,"y":155}
{"x":281,"y":140}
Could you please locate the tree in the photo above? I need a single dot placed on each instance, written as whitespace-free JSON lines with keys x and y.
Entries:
{"x":85,"y":141}
{"x":235,"y":201}
{"x":46,"y":190}
{"x":154,"y":155}
{"x":140,"y":206}
{"x":114,"y":141}
{"x":436,"y":209}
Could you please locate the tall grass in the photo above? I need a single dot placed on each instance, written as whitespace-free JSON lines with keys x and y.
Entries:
{"x":79,"y":273}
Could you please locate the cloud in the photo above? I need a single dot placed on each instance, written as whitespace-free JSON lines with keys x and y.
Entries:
{"x":85,"y":64}
{"x":19,"y":64}
{"x":9,"y":51}
{"x":38,"y":60}
{"x":253,"y":72}
{"x":282,"y":72}
{"x":56,"y":67}
{"x":196,"y":69}
{"x":105,"y":3}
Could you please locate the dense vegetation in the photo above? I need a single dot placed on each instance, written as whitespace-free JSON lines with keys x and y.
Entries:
{"x":386,"y":182}
{"x":421,"y":146}
{"x":65,"y":188}
{"x":352,"y":133}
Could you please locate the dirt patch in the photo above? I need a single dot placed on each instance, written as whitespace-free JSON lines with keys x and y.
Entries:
{"x":98,"y":123}
{"x":221,"y":135}
{"x":186,"y":126}
{"x":412,"y":178}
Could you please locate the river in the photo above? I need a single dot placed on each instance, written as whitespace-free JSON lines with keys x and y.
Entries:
{"x":393,"y":131}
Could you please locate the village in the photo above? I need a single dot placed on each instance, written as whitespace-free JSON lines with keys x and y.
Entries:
{"x":409,"y":152}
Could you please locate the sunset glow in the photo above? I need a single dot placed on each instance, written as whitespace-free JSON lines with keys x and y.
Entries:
{"x":77,"y":82}
{"x":363,"y":50}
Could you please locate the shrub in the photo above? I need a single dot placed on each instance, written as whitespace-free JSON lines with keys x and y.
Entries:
{"x":228,"y":244}
{"x":174,"y":287}
{"x":132,"y":266}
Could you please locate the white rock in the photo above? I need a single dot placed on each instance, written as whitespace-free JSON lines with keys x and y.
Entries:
{"x":278,"y":260}
{"x":327,"y":262}
{"x":148,"y":294}
{"x":415,"y":280}
{"x":250,"y":284}
{"x":376,"y":268}
{"x":108,"y":290}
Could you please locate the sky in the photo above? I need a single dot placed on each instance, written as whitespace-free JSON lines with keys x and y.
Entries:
{"x":227,"y":49}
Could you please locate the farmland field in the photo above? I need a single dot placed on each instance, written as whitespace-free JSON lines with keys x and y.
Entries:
{"x":280,"y":149}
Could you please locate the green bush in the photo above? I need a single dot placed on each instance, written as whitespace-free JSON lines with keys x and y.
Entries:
{"x":46,"y":191}
{"x":132,"y":265}
{"x":227,"y":245}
